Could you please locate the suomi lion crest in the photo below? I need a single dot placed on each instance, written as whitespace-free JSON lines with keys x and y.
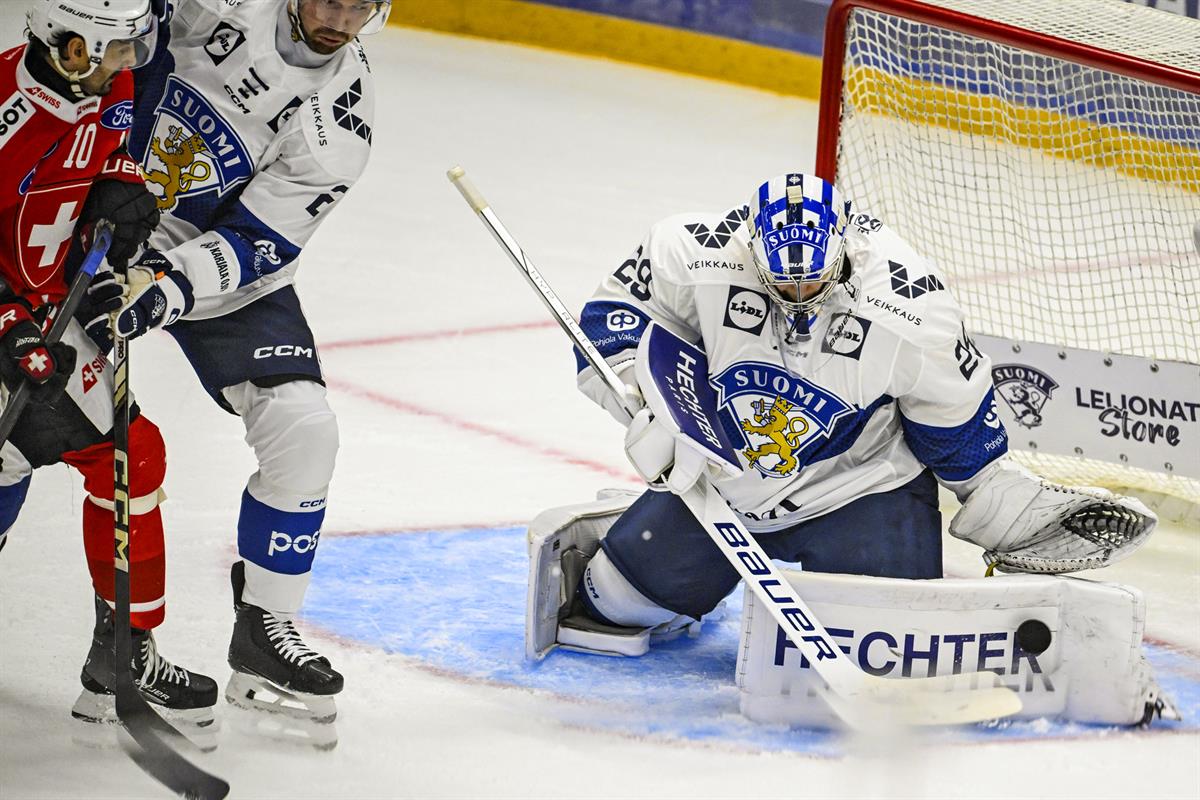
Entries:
{"x":191,"y":149}
{"x":780,"y":430}
{"x":178,"y":155}
{"x":781,"y":418}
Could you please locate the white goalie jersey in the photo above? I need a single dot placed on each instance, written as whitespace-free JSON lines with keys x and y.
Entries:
{"x":246,"y":152}
{"x":886,"y":383}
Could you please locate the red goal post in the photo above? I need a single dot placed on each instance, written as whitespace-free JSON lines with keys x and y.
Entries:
{"x":1046,"y":155}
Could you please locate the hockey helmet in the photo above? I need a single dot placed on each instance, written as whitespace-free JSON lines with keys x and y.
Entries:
{"x":797,"y":238}
{"x":355,"y":17}
{"x":118,"y":33}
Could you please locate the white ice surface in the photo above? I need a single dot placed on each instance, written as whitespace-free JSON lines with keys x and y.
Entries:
{"x":451,"y":425}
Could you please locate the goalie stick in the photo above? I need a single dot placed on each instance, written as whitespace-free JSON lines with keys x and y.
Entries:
{"x":152,"y":741}
{"x":862,"y":701}
{"x":62,"y":318}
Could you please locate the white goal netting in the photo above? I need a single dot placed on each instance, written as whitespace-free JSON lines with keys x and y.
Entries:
{"x":1061,"y":197}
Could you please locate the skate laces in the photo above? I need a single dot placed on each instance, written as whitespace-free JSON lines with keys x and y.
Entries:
{"x":287,"y":641}
{"x":156,"y":668}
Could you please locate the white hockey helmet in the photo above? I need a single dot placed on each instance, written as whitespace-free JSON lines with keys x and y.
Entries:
{"x":355,"y":17}
{"x":797,"y":237}
{"x":122,"y":31}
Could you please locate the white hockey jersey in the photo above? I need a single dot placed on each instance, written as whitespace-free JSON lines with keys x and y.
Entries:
{"x":886,"y":382}
{"x":246,"y":153}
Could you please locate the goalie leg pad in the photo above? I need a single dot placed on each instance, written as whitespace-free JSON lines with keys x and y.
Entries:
{"x":610,"y":597}
{"x":1069,"y":648}
{"x":561,"y":541}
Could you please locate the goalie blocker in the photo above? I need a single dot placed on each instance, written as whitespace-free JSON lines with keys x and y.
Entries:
{"x":1070,"y":648}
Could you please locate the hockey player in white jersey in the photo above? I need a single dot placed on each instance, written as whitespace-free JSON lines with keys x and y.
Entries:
{"x":847,"y":380}
{"x":252,"y":121}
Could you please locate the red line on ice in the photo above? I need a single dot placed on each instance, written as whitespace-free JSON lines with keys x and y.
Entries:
{"x":458,"y":423}
{"x":403,"y":338}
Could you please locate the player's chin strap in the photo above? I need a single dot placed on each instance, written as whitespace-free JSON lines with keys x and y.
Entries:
{"x":863,"y":701}
{"x":73,"y":76}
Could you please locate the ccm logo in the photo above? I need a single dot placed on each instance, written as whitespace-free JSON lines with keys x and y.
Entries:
{"x":282,"y":542}
{"x":283,"y":350}
{"x":313,"y":503}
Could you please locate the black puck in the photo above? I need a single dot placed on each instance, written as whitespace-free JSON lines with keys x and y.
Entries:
{"x":1033,"y":636}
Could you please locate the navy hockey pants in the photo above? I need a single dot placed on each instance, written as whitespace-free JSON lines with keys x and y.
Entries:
{"x":896,"y":534}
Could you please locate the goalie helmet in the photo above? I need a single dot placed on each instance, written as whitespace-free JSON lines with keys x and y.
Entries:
{"x":797,"y":238}
{"x":118,"y":33}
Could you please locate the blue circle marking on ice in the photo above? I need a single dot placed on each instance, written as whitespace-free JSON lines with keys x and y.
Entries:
{"x":456,"y":600}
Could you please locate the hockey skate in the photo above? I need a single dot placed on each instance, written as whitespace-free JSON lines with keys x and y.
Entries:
{"x":274,"y":671}
{"x":183,"y":698}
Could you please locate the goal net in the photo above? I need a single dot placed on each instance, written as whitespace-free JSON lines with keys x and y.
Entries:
{"x":1046,"y":155}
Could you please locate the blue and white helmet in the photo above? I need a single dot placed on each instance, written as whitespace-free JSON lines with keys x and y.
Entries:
{"x":797,"y":237}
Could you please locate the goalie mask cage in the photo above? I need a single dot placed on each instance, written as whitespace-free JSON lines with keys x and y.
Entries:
{"x":1046,"y":155}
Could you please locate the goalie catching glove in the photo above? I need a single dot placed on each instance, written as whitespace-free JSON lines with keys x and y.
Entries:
{"x":1025,"y":523}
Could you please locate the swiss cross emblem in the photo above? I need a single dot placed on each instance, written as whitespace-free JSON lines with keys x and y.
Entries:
{"x":88,"y":377}
{"x":37,"y":364}
{"x":44,"y":229}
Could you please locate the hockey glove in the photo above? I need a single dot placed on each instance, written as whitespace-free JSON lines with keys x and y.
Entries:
{"x":105,"y":295}
{"x":1025,"y":523}
{"x":156,"y":294}
{"x":25,"y":355}
{"x":127,"y":204}
{"x":659,"y":454}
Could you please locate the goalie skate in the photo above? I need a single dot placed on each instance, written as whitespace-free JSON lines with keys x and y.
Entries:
{"x":276,"y":673}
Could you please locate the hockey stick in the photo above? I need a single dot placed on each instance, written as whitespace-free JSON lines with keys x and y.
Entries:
{"x":152,"y":737}
{"x":861,"y":700}
{"x":62,"y":318}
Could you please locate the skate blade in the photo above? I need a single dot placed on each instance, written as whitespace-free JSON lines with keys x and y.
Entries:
{"x":268,"y":711}
{"x":97,"y":725}
{"x":255,"y":693}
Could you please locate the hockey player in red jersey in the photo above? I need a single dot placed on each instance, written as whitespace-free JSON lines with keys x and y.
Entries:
{"x":65,"y":110}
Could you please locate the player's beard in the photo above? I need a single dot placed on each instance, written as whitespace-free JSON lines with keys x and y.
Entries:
{"x":95,"y":86}
{"x":327,"y":41}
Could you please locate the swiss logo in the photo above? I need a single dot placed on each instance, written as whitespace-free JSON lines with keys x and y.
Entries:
{"x":1025,"y":390}
{"x":720,"y":236}
{"x":912,"y":288}
{"x":846,"y":336}
{"x":224,"y":40}
{"x":343,"y":115}
{"x":45,"y":225}
{"x":746,"y":310}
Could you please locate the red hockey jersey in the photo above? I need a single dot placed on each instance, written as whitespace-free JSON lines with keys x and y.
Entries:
{"x":50,"y":152}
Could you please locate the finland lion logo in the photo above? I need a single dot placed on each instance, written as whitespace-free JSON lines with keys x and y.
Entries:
{"x":1024,"y":390}
{"x":192,"y":150}
{"x":780,"y":417}
{"x":781,"y":431}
